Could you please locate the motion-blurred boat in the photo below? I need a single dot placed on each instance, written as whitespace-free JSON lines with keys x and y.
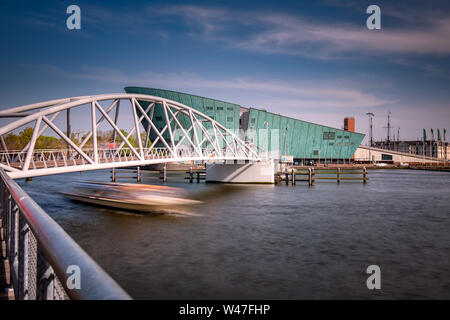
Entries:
{"x":129,"y":196}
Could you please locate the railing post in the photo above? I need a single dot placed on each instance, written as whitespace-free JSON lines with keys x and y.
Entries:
{"x":338,"y":173}
{"x":293,"y":177}
{"x":310,"y":181}
{"x":191,"y":175}
{"x":113,"y":175}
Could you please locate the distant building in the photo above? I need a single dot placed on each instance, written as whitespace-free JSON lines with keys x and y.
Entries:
{"x":428,"y":148}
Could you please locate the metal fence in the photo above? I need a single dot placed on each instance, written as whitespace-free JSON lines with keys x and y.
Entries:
{"x":44,"y":260}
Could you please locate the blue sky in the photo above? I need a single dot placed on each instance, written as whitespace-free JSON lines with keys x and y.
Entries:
{"x":314,"y":61}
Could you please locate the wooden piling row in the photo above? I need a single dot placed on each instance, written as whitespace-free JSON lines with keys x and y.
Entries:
{"x":310,"y":175}
{"x":200,"y":175}
{"x":137,"y":171}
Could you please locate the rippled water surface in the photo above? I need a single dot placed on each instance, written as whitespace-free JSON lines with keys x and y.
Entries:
{"x":271,"y":242}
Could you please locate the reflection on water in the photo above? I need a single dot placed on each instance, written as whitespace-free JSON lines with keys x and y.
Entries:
{"x":274,"y":242}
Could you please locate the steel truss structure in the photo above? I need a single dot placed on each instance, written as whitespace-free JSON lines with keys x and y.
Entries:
{"x":187,"y":135}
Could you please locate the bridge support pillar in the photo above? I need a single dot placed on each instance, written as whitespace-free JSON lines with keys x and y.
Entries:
{"x":252,"y":172}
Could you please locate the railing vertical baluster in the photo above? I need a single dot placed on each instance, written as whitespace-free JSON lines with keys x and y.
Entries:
{"x":14,"y":251}
{"x":22,"y":257}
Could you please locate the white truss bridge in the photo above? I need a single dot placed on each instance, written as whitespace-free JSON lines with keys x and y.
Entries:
{"x":186,"y":135}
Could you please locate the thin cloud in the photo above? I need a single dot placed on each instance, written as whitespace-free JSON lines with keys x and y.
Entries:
{"x":273,"y":32}
{"x":288,"y":34}
{"x":300,"y":94}
{"x":251,"y":91}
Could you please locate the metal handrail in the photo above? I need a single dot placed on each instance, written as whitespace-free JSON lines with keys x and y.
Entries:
{"x":22,"y":214}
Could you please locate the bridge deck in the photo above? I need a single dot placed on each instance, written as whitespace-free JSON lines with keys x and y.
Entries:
{"x":73,"y":162}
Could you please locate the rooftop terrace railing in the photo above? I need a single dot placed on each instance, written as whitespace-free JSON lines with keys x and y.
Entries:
{"x":45,"y":262}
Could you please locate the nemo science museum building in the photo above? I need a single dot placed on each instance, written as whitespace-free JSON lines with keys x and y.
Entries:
{"x":275,"y":133}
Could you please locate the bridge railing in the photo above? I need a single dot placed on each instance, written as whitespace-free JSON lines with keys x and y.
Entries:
{"x":51,"y":158}
{"x":45,"y":262}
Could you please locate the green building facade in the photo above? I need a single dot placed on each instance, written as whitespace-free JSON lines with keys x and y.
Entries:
{"x":269,"y":131}
{"x":303,"y":140}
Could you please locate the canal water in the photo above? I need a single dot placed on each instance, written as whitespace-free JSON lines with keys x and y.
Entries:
{"x":271,"y":242}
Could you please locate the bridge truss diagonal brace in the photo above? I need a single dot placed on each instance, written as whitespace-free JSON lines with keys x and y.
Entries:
{"x":89,"y":135}
{"x":134,"y":127}
{"x":207,"y":135}
{"x":172,"y":140}
{"x":34,"y":138}
{"x":99,"y":107}
{"x":157,"y":131}
{"x":162,"y":132}
{"x":196,"y":147}
{"x":66,"y":139}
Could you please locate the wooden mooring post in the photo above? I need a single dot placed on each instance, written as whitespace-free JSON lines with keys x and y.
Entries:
{"x":138,"y":177}
{"x":165,"y":174}
{"x":338,"y":175}
{"x":310,"y":176}
{"x":365,"y":175}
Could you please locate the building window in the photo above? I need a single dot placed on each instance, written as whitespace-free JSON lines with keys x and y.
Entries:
{"x":346,"y":137}
{"x":209,"y":108}
{"x":329,"y":135}
{"x":339,"y":137}
{"x":230,"y":109}
{"x":253,"y":120}
{"x":219,"y":108}
{"x":315,"y":152}
{"x":230,"y":119}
